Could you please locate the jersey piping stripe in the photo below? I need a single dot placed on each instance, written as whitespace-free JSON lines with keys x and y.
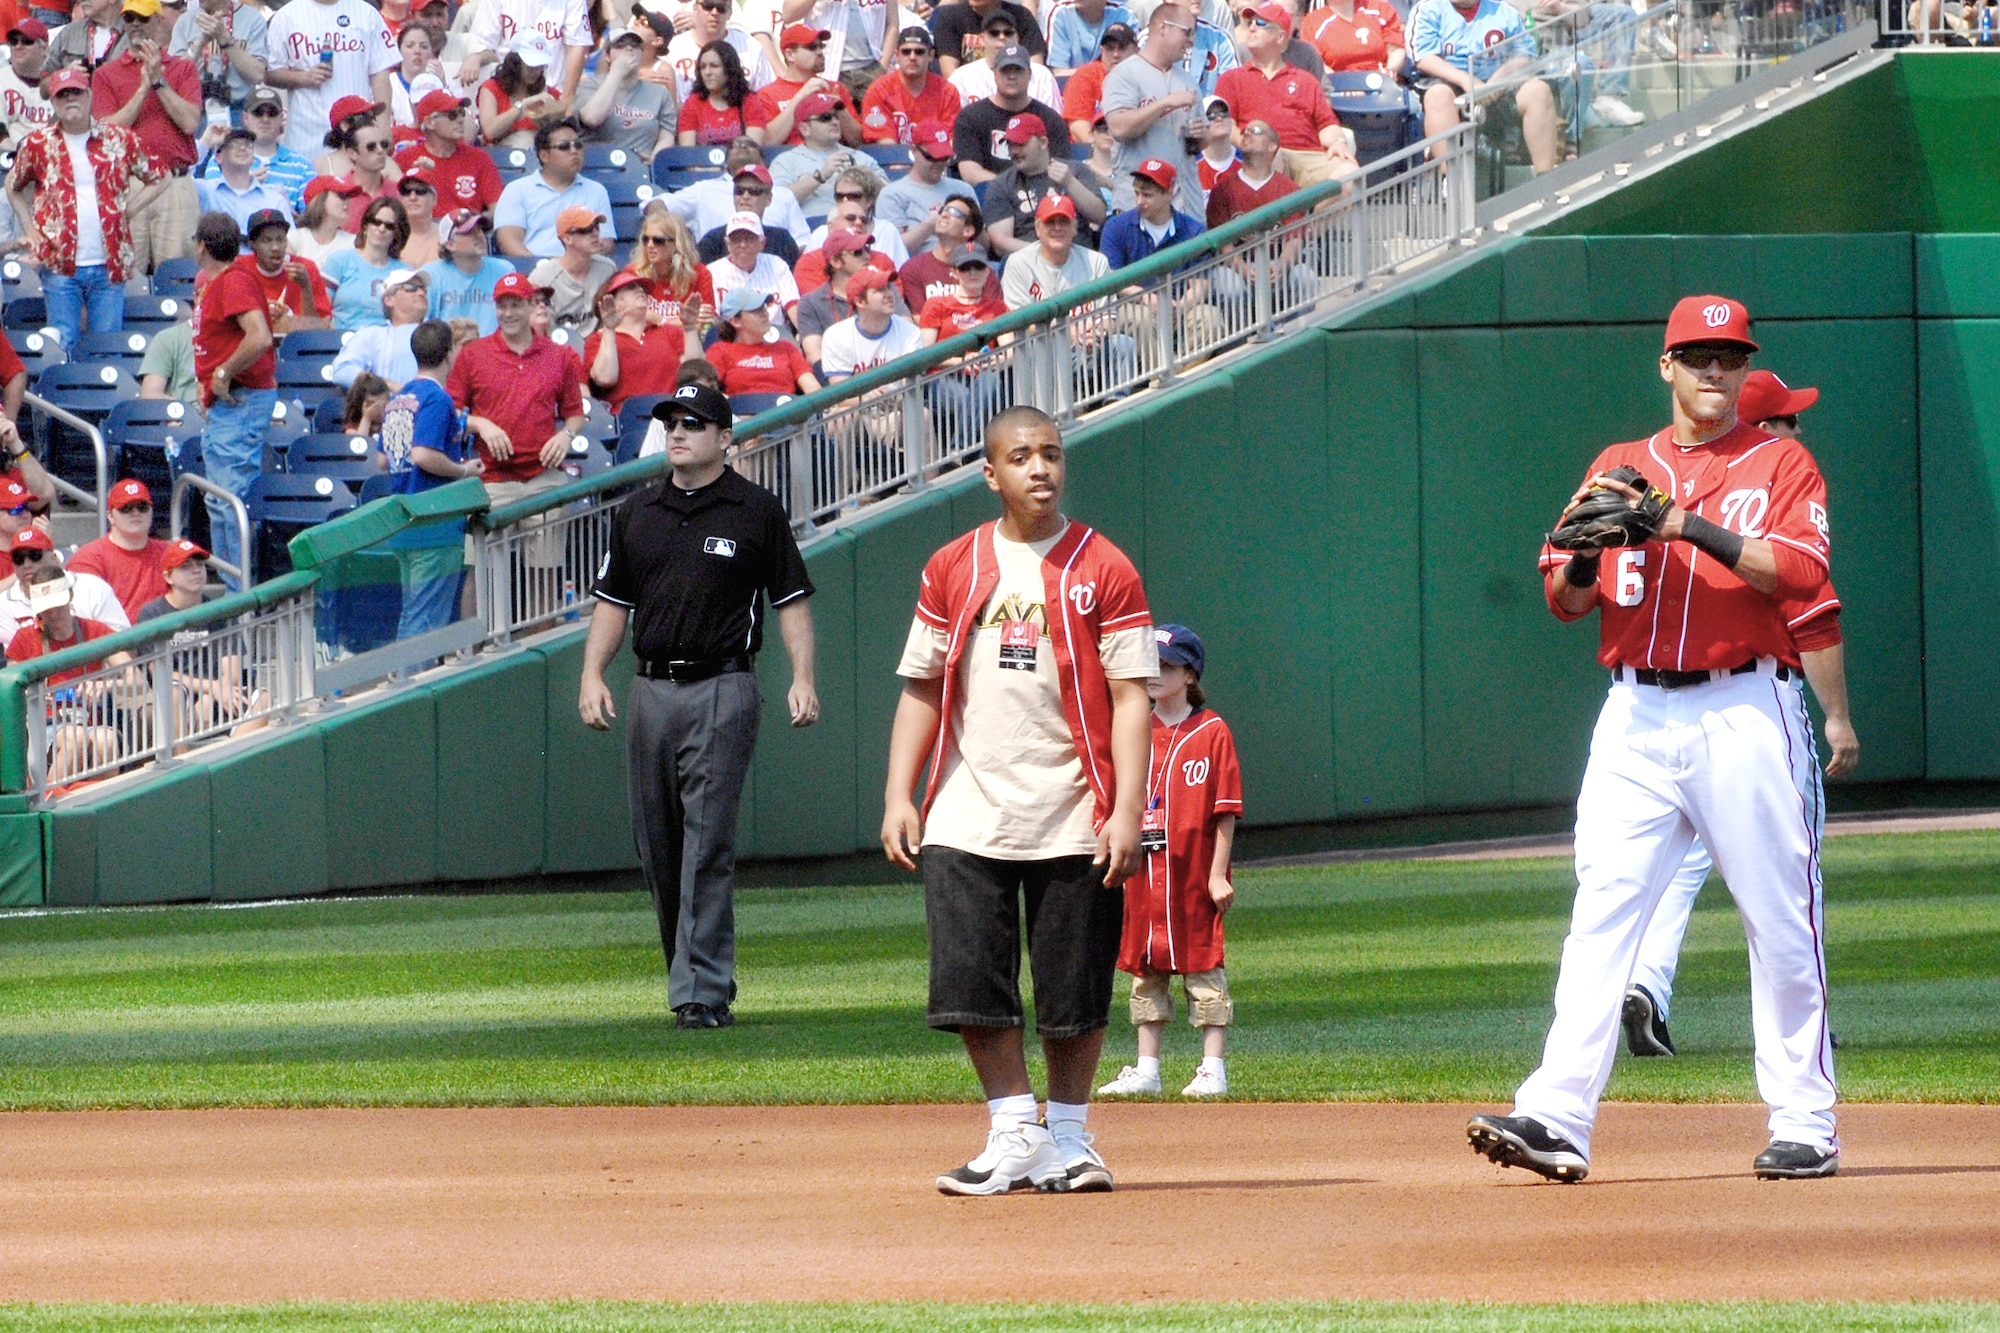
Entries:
{"x":607,"y":597}
{"x":1798,"y":545}
{"x":1076,"y":675}
{"x":1747,"y":452}
{"x":1687,"y":602}
{"x":1653,"y":638}
{"x":1825,"y":605}
{"x":944,"y":723}
{"x":1808,"y":813}
{"x":786,"y":601}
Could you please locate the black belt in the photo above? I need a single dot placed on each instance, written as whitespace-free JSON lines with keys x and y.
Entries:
{"x":1680,"y":680}
{"x":701,"y":668}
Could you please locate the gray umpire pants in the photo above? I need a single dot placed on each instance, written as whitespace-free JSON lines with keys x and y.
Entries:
{"x":688,"y":748}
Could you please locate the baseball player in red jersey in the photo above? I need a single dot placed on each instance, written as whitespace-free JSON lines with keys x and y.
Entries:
{"x":1175,"y":905}
{"x":1704,"y":623}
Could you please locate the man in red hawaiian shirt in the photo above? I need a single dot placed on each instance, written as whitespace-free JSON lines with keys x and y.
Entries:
{"x":84,"y":259}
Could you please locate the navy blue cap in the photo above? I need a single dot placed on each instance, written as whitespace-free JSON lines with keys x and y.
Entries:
{"x":698,"y":401}
{"x":1180,"y":646}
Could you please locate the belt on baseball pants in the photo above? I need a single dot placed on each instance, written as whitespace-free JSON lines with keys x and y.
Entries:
{"x":701,"y":668}
{"x":1680,"y":680}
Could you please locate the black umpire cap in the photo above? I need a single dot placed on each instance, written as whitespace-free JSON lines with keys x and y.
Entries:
{"x":698,"y":401}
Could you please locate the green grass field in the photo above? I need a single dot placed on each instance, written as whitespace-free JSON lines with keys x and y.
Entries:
{"x":1401,"y":981}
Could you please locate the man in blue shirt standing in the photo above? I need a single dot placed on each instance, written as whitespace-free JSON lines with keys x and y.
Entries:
{"x":423,"y":444}
{"x":1154,"y":225}
{"x":1459,"y":49}
{"x":462,"y":281}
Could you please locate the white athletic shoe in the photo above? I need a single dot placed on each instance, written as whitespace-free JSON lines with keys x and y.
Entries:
{"x":1017,"y":1157}
{"x":1131,"y":1083}
{"x":1207,"y":1083}
{"x":1614,"y":112}
{"x":1084,"y":1169}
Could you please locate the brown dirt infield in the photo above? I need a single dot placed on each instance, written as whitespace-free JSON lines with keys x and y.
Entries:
{"x":1214,"y":1202}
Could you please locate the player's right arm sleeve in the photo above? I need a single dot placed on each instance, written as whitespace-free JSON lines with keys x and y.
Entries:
{"x":1227,"y":781}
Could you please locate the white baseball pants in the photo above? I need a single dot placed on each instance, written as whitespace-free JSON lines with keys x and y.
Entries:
{"x":1733,"y":763}
{"x":1660,"y":951}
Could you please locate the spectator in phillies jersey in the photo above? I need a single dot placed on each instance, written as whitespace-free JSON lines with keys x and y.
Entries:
{"x":362,"y":54}
{"x":22,"y":106}
{"x":463,"y":173}
{"x":1254,"y":181}
{"x":804,"y":50}
{"x":461,"y":283}
{"x":73,"y":746}
{"x":845,"y":254}
{"x":908,"y":95}
{"x":1219,"y":156}
{"x":746,"y":265}
{"x":634,"y":355}
{"x":1312,"y":145}
{"x":932,"y":273}
{"x":747,"y":359}
{"x":718,"y":105}
{"x":976,"y":300}
{"x":1459,"y":51}
{"x":1083,"y":95}
{"x":712,"y":23}
{"x":1355,"y":36}
{"x":619,"y":107}
{"x":1076,"y":32}
{"x":874,"y":334}
{"x":553,"y":33}
{"x":1174,"y":906}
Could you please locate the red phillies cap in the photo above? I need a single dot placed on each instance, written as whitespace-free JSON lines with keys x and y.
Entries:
{"x":800,"y":34}
{"x":346,"y":189}
{"x":757,"y":169}
{"x":514,"y":284}
{"x":932,"y":138}
{"x":180,"y":552}
{"x":436,"y":100}
{"x":32,"y":29}
{"x":1765,"y":396}
{"x":68,"y":78}
{"x":1025,"y":127}
{"x":1055,"y":206}
{"x":816,"y":105}
{"x":13,"y":495}
{"x":867,"y":280}
{"x":1709,"y":319}
{"x":32,"y":539}
{"x":624,"y":277}
{"x":350,"y":105}
{"x":1274,"y":14}
{"x":1160,"y":173}
{"x":128,"y":492}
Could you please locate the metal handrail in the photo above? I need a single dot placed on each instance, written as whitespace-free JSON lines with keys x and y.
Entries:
{"x":100,"y":501}
{"x":192,"y":481}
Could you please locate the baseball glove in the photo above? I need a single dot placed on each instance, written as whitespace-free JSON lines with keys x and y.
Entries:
{"x":1604,"y":518}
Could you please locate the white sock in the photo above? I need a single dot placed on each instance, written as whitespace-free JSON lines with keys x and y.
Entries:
{"x":1008,"y":1112}
{"x":1149,"y":1066}
{"x":1213,"y":1064}
{"x":1066,"y":1119}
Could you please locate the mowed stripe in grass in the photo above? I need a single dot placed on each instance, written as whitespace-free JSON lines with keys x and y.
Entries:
{"x":1399,"y":981}
{"x":1264,"y":1317}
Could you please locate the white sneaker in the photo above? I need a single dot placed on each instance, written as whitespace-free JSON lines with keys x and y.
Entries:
{"x":1085,"y":1170}
{"x":1614,"y":112}
{"x":1207,"y":1083}
{"x":1017,"y":1157}
{"x":1131,"y":1083}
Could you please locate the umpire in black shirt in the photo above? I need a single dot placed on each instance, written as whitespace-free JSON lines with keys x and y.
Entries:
{"x":692,"y":556}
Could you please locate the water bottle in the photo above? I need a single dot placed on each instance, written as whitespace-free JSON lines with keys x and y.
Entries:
{"x":569,"y":599}
{"x":1986,"y":25}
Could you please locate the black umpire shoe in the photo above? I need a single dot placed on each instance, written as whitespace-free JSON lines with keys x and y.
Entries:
{"x":702,"y":1016}
{"x":1516,"y":1140}
{"x":1795,"y":1161}
{"x":1645,"y":1030}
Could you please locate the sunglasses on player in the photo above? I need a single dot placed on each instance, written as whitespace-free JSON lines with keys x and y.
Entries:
{"x":1701,"y":358}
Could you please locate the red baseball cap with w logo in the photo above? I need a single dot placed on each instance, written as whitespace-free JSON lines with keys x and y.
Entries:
{"x":1715,"y":320}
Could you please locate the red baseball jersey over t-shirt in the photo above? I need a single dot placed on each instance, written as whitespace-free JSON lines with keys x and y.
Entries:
{"x":234,"y":292}
{"x":772,"y":367}
{"x":888,"y":111}
{"x":1171,"y":924}
{"x":527,"y":394}
{"x":780,"y":91}
{"x":1669,"y":606}
{"x":1354,"y":44}
{"x":28,"y":644}
{"x":712,"y":124}
{"x":136,"y":577}
{"x":953,"y":315}
{"x":1291,"y":101}
{"x":645,"y":365}
{"x":465,"y":179}
{"x":1083,"y":95}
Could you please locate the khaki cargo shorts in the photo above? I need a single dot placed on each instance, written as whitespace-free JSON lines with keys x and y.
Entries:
{"x":1209,"y":1005}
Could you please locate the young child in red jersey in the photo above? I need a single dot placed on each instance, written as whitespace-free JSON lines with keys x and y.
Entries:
{"x":1174,"y":907}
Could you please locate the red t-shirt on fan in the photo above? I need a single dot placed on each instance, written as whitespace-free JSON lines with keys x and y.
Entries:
{"x":233,"y":292}
{"x":28,"y":644}
{"x":953,"y":315}
{"x":466,"y":179}
{"x":136,"y":577}
{"x":713,"y":125}
{"x":284,"y":290}
{"x":1668,"y":606}
{"x":527,"y":394}
{"x":772,"y":367}
{"x":645,"y":365}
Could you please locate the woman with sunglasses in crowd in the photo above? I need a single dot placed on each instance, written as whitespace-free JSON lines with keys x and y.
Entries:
{"x":357,"y":276}
{"x":722,"y":107}
{"x":513,"y":101}
{"x":666,"y":258}
{"x":421,"y":72}
{"x":419,"y":198}
{"x":322,"y":231}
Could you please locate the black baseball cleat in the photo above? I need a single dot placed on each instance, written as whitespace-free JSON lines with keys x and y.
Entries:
{"x":698,"y":1016}
{"x":1795,"y":1161}
{"x":1645,"y":1030}
{"x":1516,"y":1140}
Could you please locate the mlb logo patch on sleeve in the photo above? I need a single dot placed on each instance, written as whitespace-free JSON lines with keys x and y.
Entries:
{"x":719,"y":546}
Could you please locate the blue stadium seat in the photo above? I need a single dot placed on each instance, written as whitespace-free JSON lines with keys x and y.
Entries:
{"x":1383,"y":116}
{"x":523,"y":264}
{"x":380,"y":485}
{"x":285,"y":504}
{"x":25,"y":313}
{"x":625,"y":216}
{"x":125,"y":349}
{"x":630,"y":441}
{"x":514,"y":159}
{"x":188,"y":459}
{"x":149,"y":453}
{"x":747,"y":405}
{"x":599,"y":423}
{"x":301,"y":372}
{"x":38,"y":351}
{"x":634,"y":191}
{"x":289,"y":419}
{"x":586,"y":458}
{"x":175,"y":277}
{"x":150,"y":314}
{"x":638,"y":408}
{"x":326,"y":415}
{"x":313,"y":344}
{"x":890,"y":154}
{"x":18,"y":279}
{"x":602,"y":162}
{"x":86,"y":390}
{"x":676,"y":168}
{"x":164,"y":413}
{"x":350,"y":472}
{"x":308,"y":451}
